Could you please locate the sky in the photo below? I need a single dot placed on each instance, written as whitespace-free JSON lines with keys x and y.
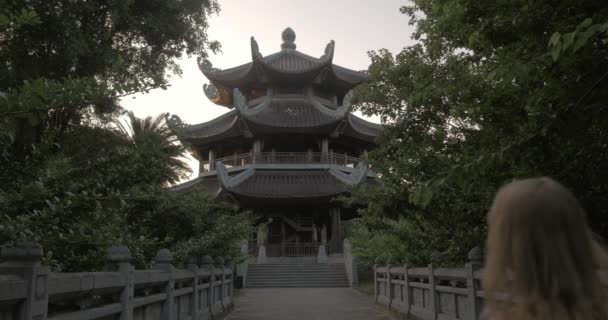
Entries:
{"x":357,"y":26}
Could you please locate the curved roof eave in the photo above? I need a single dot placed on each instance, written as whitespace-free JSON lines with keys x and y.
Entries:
{"x":214,"y":128}
{"x":362,"y":129}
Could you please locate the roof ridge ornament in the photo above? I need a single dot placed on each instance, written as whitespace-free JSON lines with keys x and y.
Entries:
{"x":255,"y":51}
{"x":342,"y":111}
{"x":289,"y":38}
{"x":328,"y":56}
{"x":355,"y":178}
{"x":205,"y":65}
{"x":241,"y":105}
{"x":211,"y":92}
{"x":229,"y":182}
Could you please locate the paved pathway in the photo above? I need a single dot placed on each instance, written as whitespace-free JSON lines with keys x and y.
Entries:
{"x":305,"y":304}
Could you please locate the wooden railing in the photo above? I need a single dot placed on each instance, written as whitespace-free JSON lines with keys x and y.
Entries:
{"x":240,"y":160}
{"x":29,"y":291}
{"x":292,"y":250}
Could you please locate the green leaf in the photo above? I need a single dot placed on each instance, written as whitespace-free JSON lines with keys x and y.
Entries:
{"x":554,"y":39}
{"x":556,"y":50}
{"x":583,"y":38}
{"x":585,"y":24}
{"x":4,"y":20}
{"x":568,"y":40}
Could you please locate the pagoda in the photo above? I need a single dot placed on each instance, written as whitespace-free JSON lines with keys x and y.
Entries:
{"x":288,"y":146}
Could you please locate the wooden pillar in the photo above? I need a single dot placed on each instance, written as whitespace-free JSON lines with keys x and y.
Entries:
{"x":324,"y":150}
{"x":211,"y":160}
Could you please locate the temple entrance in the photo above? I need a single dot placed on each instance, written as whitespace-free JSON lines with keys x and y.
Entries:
{"x":300,"y":233}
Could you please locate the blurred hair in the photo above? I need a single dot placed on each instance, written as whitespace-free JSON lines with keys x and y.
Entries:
{"x":542,"y":260}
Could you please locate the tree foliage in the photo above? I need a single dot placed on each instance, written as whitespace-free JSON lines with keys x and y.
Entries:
{"x":491,"y":91}
{"x":70,"y":178}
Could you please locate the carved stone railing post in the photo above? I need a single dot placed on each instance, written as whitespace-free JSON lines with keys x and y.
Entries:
{"x":229,"y":285}
{"x":389,"y":285}
{"x":262,"y":258}
{"x":23,"y":259}
{"x":475,"y":258}
{"x":162,"y":262}
{"x":241,"y":268}
{"x":195,"y":307}
{"x":219,"y":269}
{"x":322,"y":254}
{"x":406,"y":290}
{"x":207,"y":264}
{"x":433,"y":293}
{"x":378,"y":263}
{"x":119,"y":259}
{"x":352,"y":269}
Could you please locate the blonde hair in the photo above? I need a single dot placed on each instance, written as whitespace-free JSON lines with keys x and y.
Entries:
{"x":541,"y":260}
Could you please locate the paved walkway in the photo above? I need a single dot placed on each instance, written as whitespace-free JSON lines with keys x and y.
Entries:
{"x":305,"y":304}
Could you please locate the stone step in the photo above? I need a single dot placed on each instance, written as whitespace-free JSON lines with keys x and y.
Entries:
{"x":285,"y":275}
{"x":299,"y":286}
{"x":296,"y":284}
{"x":270,"y":278}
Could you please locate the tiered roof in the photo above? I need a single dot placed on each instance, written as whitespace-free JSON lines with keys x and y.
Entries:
{"x":277,"y":111}
{"x":287,"y":66}
{"x":283,"y":93}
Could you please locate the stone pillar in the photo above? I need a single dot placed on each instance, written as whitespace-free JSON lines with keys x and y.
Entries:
{"x":241,"y":268}
{"x":261,"y":259}
{"x":229,"y":269}
{"x":23,"y":259}
{"x":475,"y":263}
{"x":162,"y":262}
{"x":207,"y":264}
{"x":119,"y":260}
{"x":211,"y":160}
{"x":324,"y":150}
{"x":219,"y":270}
{"x":322,"y":254}
{"x":335,"y":243}
{"x":195,"y":305}
{"x":201,"y":167}
{"x":257,"y":150}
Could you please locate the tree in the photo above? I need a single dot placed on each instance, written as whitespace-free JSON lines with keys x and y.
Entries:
{"x":68,"y":178}
{"x":95,"y":52}
{"x":158,"y":152}
{"x":484,"y":97}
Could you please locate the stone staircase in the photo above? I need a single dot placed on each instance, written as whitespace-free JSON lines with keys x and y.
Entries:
{"x":302,"y":274}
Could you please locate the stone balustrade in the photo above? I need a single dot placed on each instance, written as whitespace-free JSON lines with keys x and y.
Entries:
{"x":434,"y":293}
{"x":30,"y":291}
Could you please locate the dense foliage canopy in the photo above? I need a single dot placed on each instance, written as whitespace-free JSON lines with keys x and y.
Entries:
{"x":74,"y":175}
{"x":491,"y":91}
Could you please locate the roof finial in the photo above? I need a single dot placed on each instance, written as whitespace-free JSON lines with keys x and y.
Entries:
{"x":289,"y":37}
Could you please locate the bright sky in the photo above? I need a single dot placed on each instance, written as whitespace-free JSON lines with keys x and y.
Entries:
{"x":357,"y":26}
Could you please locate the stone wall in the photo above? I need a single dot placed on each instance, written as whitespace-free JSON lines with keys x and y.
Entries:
{"x":30,"y":291}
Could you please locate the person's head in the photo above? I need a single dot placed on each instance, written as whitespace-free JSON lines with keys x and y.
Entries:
{"x":541,"y":255}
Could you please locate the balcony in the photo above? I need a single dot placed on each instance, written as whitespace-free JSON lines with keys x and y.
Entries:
{"x":285,"y":158}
